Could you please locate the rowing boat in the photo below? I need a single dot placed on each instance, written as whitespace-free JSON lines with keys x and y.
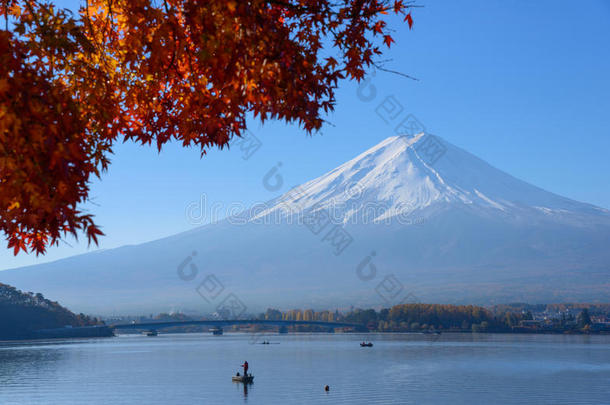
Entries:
{"x":243,"y":378}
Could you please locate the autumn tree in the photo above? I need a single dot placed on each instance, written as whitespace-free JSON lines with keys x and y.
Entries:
{"x":583,"y":319}
{"x":153,"y":72}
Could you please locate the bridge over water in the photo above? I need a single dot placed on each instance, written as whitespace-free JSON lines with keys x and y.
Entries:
{"x":220,"y":323}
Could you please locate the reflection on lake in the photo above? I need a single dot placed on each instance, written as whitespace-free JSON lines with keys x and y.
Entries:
{"x":400,"y":369}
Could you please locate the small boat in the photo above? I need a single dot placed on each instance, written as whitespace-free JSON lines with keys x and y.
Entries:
{"x":151,"y":333}
{"x":216,"y":331}
{"x":369,"y":344}
{"x":246,"y":379}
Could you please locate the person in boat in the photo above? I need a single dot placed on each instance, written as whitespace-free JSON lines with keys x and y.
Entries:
{"x":245,"y":366}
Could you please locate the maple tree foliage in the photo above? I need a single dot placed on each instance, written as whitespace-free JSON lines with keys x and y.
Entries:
{"x":156,"y":71}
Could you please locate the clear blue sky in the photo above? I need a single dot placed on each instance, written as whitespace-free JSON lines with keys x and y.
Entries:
{"x":522,"y":84}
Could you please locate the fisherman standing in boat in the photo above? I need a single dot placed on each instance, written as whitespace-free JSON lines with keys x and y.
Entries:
{"x":246,"y":378}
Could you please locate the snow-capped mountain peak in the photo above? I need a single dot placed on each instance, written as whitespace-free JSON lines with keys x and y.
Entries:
{"x":401,"y":175}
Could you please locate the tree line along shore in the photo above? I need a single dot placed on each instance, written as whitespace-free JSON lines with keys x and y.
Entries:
{"x":28,"y":315}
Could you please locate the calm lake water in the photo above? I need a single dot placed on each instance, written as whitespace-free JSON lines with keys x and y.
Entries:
{"x":399,"y":369}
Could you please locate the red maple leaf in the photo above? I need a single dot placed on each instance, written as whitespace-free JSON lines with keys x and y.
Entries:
{"x":409,"y":20}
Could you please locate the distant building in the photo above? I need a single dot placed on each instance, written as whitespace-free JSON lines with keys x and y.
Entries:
{"x":531,"y":323}
{"x":599,"y":319}
{"x":601,"y":326}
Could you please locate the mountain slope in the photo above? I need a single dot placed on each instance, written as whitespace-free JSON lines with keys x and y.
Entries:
{"x":411,"y":218}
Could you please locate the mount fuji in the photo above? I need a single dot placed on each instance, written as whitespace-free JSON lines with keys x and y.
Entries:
{"x":405,"y":174}
{"x":410,"y":219}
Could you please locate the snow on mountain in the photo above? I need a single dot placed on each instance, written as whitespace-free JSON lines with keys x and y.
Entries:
{"x":399,"y":176}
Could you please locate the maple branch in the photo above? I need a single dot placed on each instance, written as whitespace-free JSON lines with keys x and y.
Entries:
{"x":394,"y":72}
{"x":34,"y":16}
{"x":6,"y":14}
{"x":297,"y":8}
{"x":387,"y":7}
{"x":171,"y":62}
{"x":109,"y":16}
{"x":88,"y":22}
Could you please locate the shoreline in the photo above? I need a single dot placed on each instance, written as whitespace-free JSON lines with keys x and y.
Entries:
{"x":106,"y":332}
